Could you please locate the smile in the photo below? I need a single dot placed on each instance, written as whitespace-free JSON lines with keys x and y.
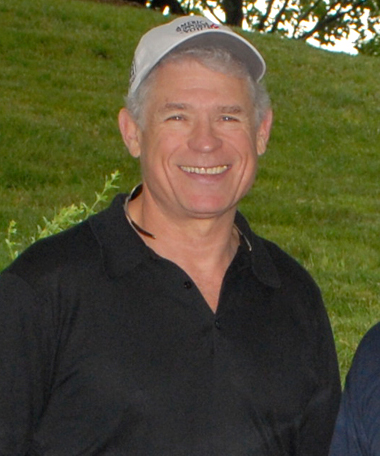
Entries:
{"x":213,"y":170}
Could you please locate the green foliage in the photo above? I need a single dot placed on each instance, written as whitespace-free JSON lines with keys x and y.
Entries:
{"x":10,"y":241}
{"x":370,"y":47}
{"x":66,"y":217}
{"x":65,"y":67}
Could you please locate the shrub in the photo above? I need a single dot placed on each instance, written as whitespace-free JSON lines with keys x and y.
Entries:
{"x":66,"y":217}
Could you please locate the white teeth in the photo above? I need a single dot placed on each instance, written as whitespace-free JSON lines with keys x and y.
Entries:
{"x":202,"y":170}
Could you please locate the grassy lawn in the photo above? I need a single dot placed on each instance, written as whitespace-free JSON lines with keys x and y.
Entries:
{"x":65,"y":67}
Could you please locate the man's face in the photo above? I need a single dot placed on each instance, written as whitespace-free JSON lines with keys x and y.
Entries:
{"x":198,"y":148}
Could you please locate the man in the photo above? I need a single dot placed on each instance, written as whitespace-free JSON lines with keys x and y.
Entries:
{"x":357,"y":431}
{"x":163,"y":325}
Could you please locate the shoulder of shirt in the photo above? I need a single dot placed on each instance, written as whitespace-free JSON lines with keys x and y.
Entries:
{"x":73,"y":249}
{"x":265,"y":252}
{"x":362,"y":385}
{"x":62,"y":250}
{"x":366,"y":360}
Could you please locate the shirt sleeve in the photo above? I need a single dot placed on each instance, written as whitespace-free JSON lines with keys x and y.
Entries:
{"x":23,"y":364}
{"x":357,"y":430}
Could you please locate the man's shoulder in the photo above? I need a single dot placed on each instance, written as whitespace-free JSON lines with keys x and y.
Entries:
{"x":271,"y":260}
{"x":73,"y":249}
{"x":284,"y":261}
{"x":371,"y":340}
{"x":361,"y":399}
{"x":65,"y":250}
{"x":366,"y":363}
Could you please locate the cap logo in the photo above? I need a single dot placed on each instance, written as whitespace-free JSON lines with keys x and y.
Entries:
{"x":195,"y":26}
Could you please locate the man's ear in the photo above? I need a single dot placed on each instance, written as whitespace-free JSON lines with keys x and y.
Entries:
{"x":130,"y":132}
{"x":263,"y":132}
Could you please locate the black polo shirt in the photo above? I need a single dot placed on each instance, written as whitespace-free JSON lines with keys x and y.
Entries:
{"x":108,"y":349}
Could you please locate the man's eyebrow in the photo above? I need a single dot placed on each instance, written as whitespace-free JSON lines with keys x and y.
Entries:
{"x":225,"y":109}
{"x":174,"y":107}
{"x":233,"y":109}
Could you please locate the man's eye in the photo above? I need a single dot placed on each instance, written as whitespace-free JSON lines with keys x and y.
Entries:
{"x":175,"y":117}
{"x":229,"y":119}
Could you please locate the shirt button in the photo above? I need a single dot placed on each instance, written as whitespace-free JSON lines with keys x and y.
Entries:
{"x":217,"y":324}
{"x":187,"y":285}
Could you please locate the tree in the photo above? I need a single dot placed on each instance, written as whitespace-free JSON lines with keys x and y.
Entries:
{"x":173,"y":5}
{"x":323,"y":20}
{"x":233,"y":10}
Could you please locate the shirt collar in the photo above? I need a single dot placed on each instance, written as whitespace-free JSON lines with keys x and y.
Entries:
{"x":122,"y":249}
{"x":261,"y":262}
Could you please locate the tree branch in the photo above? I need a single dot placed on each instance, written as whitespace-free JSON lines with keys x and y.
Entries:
{"x":264,"y":18}
{"x":278,"y":17}
{"x":323,"y":23}
{"x":304,"y":15}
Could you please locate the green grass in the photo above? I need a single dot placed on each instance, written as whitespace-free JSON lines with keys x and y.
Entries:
{"x":64,"y":72}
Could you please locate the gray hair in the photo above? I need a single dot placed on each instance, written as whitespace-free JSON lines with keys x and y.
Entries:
{"x":213,"y":58}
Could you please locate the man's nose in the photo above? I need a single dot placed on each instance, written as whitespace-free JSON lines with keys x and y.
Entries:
{"x":204,"y":137}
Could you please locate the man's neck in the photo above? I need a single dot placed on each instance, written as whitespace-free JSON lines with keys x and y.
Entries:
{"x":202,"y":247}
{"x":170,"y":236}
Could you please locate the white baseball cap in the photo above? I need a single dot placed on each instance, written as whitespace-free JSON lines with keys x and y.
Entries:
{"x":192,"y":30}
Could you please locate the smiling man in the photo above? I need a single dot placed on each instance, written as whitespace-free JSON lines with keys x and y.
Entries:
{"x":198,"y":147}
{"x":163,"y":325}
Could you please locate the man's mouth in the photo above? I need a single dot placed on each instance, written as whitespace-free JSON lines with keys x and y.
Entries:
{"x":202,"y":170}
